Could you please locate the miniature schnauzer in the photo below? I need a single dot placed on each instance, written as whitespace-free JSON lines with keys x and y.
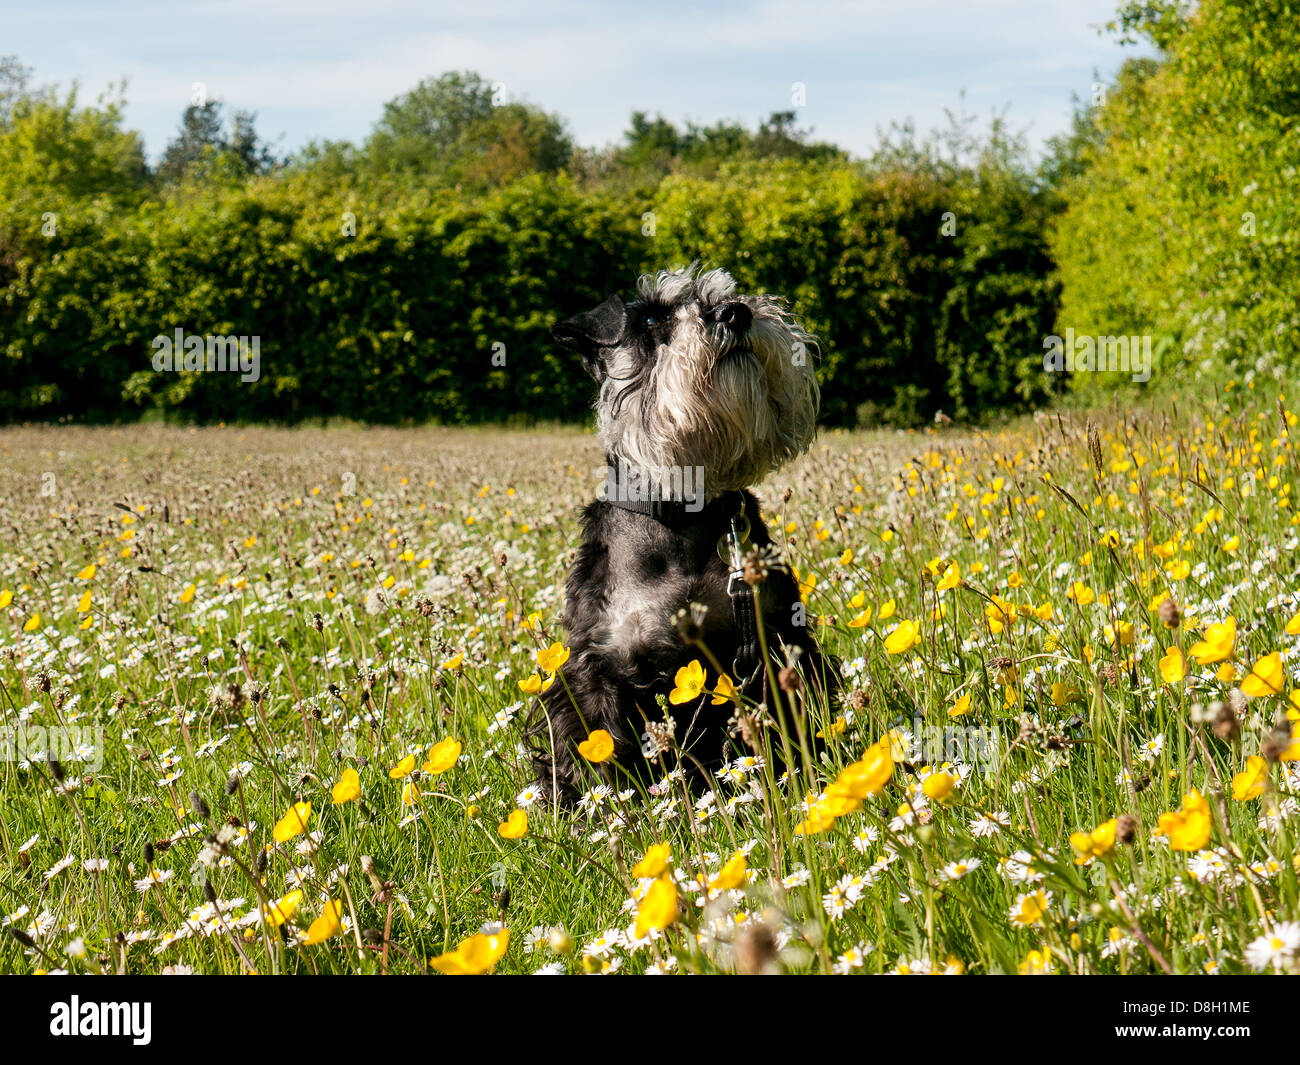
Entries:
{"x":702,"y":393}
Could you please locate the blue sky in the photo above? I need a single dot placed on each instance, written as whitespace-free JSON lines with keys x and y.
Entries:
{"x":323,"y":68}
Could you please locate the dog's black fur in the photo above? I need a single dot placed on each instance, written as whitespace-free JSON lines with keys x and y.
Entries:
{"x":632,"y":574}
{"x":618,"y":694}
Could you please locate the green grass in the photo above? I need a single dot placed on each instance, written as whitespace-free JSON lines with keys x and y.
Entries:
{"x":338,"y":574}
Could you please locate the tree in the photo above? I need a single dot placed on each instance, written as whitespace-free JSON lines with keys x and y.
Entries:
{"x":422,"y":129}
{"x":452,"y":130}
{"x":252,"y":153}
{"x":203,"y":137}
{"x":513,"y":141}
{"x":654,"y":147}
{"x":200,"y":133}
{"x":1160,"y":21}
{"x":15,"y":80}
{"x":52,"y":149}
{"x":1180,"y":224}
{"x":652,"y":144}
{"x":780,"y":138}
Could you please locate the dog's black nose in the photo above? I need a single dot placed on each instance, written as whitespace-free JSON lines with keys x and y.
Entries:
{"x":735,"y":316}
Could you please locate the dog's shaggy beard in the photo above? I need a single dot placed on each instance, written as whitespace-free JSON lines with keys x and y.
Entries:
{"x":738,"y":406}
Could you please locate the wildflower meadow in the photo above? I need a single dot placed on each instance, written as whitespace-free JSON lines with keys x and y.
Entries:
{"x":263,"y":692}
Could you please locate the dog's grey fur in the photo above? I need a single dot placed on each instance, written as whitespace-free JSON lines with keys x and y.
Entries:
{"x":738,"y":404}
{"x":690,"y":375}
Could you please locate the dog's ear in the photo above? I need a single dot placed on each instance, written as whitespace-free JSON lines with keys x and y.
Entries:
{"x":592,"y":330}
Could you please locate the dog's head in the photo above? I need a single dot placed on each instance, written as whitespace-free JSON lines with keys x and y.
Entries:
{"x":692,"y":374}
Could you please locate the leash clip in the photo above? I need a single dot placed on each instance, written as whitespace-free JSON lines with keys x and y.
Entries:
{"x":732,"y":577}
{"x":732,"y":546}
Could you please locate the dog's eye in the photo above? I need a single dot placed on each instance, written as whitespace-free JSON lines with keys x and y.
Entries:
{"x":651,"y":320}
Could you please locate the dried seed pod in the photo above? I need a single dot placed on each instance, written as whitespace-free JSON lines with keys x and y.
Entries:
{"x":857,"y":699}
{"x":1170,"y":616}
{"x":755,"y":951}
{"x":21,"y":936}
{"x":1277,"y":742}
{"x":1125,"y":828}
{"x":789,"y":679}
{"x":1225,"y":723}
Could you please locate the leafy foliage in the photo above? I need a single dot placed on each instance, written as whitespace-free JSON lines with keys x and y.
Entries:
{"x":416,"y":277}
{"x":1182,"y":222}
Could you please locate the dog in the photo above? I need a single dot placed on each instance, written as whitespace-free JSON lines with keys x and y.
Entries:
{"x":702,"y":392}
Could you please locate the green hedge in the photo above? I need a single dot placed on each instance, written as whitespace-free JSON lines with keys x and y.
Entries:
{"x":398,"y":321}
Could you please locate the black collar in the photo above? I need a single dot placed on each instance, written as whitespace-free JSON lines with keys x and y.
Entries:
{"x":625,"y":490}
